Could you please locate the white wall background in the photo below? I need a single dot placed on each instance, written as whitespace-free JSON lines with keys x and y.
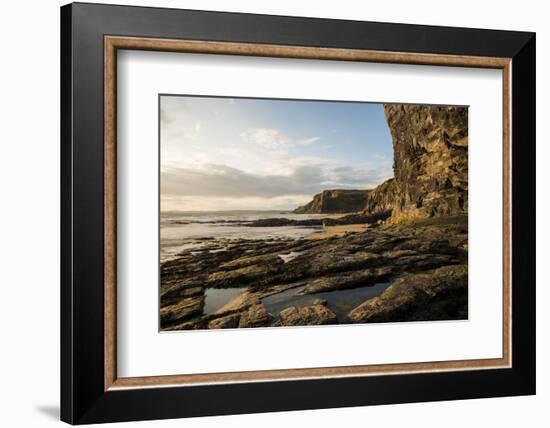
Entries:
{"x":29,"y":215}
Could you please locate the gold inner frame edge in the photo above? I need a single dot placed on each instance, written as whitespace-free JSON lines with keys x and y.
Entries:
{"x":113,"y":43}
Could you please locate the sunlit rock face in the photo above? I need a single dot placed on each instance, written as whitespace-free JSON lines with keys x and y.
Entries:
{"x":430,"y":145}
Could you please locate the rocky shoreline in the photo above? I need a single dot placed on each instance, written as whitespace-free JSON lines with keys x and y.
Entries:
{"x":424,"y":261}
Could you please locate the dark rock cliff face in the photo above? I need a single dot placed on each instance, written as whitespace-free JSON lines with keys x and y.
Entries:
{"x":430,"y":145}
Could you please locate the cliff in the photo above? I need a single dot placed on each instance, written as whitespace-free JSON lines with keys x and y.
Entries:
{"x":430,"y":152}
{"x":335,"y":201}
{"x":430,"y":146}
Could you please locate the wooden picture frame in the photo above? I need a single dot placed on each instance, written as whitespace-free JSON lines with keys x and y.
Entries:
{"x":91,"y":390}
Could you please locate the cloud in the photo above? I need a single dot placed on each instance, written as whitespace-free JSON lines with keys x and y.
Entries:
{"x":167,"y":117}
{"x":269,"y":138}
{"x":357,"y":177}
{"x":172,"y":109}
{"x":240,"y":163}
{"x":308,"y":141}
{"x":222,"y":181}
{"x":199,"y":203}
{"x":274,"y":139}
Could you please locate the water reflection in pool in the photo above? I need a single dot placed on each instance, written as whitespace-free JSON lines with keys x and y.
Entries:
{"x":341,"y":302}
{"x":215,"y":298}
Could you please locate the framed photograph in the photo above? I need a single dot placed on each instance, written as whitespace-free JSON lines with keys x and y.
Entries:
{"x":266,"y":213}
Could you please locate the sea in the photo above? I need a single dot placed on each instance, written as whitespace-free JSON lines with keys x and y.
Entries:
{"x":188,"y":230}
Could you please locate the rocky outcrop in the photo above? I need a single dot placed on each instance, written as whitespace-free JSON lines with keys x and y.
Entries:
{"x":439,"y":294}
{"x":381,"y":199}
{"x":229,"y":321}
{"x":335,"y":201}
{"x":241,"y":275}
{"x":185,"y":308}
{"x":430,"y":165}
{"x":355,"y":218}
{"x":344,"y":281}
{"x":316,"y":314}
{"x":277,"y":222}
{"x":255,"y":316}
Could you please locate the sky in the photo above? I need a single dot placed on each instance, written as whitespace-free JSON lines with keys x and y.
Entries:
{"x":220,"y":154}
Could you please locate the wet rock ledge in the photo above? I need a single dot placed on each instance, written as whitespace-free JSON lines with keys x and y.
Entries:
{"x":424,"y":260}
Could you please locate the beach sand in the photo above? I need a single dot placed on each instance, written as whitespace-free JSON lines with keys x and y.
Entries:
{"x":330,"y":231}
